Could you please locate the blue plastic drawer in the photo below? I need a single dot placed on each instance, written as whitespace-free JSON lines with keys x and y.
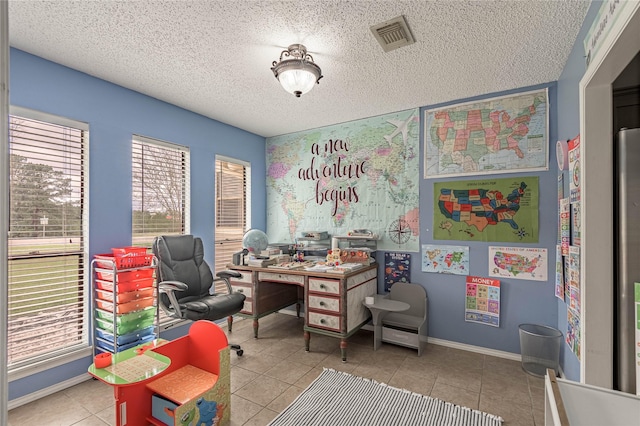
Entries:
{"x":108,"y":346}
{"x":125,"y":338}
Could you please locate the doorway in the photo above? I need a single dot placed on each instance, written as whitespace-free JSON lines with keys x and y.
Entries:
{"x":619,"y":48}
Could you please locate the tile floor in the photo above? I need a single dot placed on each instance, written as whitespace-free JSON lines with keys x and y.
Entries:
{"x":275,"y":368}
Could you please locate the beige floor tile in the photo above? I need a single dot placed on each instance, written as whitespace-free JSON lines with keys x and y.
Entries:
{"x":93,"y":395}
{"x":242,"y":410}
{"x":455,"y":395}
{"x":91,"y":421}
{"x":57,"y":409}
{"x":262,"y":390}
{"x":414,"y":381}
{"x":108,"y":415}
{"x":288,"y":371}
{"x":276,"y":368}
{"x":513,"y":414}
{"x":470,"y":380}
{"x":285,"y":398}
{"x":262,"y":418}
{"x":240,"y":377}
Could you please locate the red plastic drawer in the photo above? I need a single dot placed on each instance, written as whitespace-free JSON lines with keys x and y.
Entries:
{"x":125,"y":286}
{"x":133,"y":259}
{"x":129,"y":296}
{"x":123,"y":308}
{"x":126,"y":276}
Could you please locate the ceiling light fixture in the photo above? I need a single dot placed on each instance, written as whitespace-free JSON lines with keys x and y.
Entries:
{"x":296,"y":71}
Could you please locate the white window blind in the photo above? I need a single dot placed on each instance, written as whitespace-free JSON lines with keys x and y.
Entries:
{"x":160,"y":179}
{"x":160,"y":193}
{"x":233,"y":201}
{"x":48,"y":313}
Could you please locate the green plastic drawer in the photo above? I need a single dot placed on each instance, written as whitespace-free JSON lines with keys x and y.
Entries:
{"x":126,"y":323}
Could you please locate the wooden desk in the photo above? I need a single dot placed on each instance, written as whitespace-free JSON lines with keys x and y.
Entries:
{"x":379,"y":308}
{"x":192,"y":373}
{"x":333,"y":300}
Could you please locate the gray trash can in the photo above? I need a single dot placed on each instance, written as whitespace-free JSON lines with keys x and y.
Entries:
{"x":540,"y":348}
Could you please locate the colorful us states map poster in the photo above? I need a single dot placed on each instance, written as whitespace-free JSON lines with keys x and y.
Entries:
{"x":358,"y":175}
{"x":445,"y":259}
{"x":522,"y":263}
{"x":500,"y":210}
{"x":498,"y":135}
{"x":483,"y":301}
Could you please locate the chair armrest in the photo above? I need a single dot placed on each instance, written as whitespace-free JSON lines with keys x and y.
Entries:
{"x":225,"y":275}
{"x":169,"y":288}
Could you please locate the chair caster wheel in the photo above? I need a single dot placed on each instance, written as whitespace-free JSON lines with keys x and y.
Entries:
{"x":240,"y":352}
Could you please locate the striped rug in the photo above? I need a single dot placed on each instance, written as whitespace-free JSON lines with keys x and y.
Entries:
{"x":341,"y":399}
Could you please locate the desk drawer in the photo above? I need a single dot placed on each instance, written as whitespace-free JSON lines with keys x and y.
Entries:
{"x":247,"y":277}
{"x":321,"y":285}
{"x":325,"y":303}
{"x":244,"y":289}
{"x":281,"y":278}
{"x":330,"y":322}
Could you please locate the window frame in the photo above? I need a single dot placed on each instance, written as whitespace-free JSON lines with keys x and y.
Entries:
{"x":247,"y":205}
{"x":83,"y":348}
{"x":164,"y":322}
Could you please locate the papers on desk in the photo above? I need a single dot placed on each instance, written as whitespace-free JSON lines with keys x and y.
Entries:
{"x":320,"y":268}
{"x":340,"y":269}
{"x":291,"y":265}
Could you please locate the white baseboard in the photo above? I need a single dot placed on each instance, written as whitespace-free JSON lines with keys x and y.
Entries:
{"x":476,"y":349}
{"x":18,"y":402}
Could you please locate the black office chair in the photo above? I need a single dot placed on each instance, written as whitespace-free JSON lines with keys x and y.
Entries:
{"x":185,"y":281}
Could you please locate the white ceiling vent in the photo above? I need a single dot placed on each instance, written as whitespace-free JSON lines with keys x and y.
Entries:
{"x":393,"y":33}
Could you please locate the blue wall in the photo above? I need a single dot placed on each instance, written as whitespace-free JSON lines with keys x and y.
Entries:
{"x":114,"y":114}
{"x":521,"y":301}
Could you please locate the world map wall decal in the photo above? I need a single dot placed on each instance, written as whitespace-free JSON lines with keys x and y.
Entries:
{"x":362,"y":174}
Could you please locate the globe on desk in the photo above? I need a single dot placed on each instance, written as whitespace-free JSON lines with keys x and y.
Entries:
{"x":255,"y":241}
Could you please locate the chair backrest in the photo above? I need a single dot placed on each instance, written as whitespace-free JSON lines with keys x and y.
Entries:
{"x":181,"y":258}
{"x":413,"y":294}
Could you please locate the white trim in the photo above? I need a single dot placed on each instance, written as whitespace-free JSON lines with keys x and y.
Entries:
{"x":48,"y":117}
{"x":41,"y":393}
{"x":38,"y":367}
{"x":4,"y":205}
{"x":232,"y":160}
{"x":617,"y":49}
{"x":475,"y":349}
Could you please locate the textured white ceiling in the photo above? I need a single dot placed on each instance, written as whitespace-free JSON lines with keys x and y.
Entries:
{"x":214,"y":57}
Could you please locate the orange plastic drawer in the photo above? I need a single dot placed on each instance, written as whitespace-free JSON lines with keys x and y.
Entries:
{"x":125,"y":297}
{"x":123,"y":308}
{"x":125,"y":286}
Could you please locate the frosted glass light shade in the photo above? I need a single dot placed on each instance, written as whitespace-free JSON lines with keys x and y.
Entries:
{"x":298,"y":74}
{"x":297,"y":81}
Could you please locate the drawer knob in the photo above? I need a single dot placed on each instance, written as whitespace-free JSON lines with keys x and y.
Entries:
{"x":322,"y":286}
{"x":240,"y":290}
{"x":322,"y":321}
{"x":322,"y":304}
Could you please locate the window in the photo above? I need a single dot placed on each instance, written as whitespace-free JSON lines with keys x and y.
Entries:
{"x":160,"y":193}
{"x":233,"y":201}
{"x":160,"y":178}
{"x":48,"y":312}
